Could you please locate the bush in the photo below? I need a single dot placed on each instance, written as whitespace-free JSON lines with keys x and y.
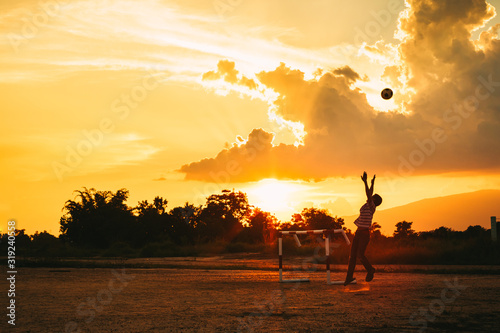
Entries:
{"x":167,"y":249}
{"x":120,"y":249}
{"x":244,"y":247}
{"x":156,"y":250}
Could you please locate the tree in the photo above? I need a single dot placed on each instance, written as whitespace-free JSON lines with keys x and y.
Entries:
{"x":97,"y":218}
{"x":316,"y":219}
{"x":403,"y":230}
{"x":375,"y":230}
{"x":22,"y":244}
{"x":158,"y":206}
{"x":43,"y":243}
{"x":442,"y":233}
{"x":261,"y":226}
{"x":152,"y":220}
{"x":22,"y":239}
{"x":183,"y":221}
{"x":475,"y":231}
{"x":297,"y":223}
{"x":223,"y":215}
{"x":288,"y":225}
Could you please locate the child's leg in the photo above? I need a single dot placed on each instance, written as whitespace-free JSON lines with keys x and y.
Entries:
{"x":353,"y":256}
{"x":364,"y":239}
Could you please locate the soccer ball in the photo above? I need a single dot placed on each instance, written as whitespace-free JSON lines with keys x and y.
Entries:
{"x":386,"y":93}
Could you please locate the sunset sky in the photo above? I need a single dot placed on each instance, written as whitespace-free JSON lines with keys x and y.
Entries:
{"x":279,"y":99}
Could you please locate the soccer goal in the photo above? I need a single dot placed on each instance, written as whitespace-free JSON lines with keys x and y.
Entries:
{"x":326,"y":234}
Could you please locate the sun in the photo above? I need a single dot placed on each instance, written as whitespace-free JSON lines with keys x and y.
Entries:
{"x":273,"y":195}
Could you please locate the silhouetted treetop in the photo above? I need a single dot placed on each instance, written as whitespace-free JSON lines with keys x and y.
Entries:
{"x":96,"y":218}
{"x":403,"y":230}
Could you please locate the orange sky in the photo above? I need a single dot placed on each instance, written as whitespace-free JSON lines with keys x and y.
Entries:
{"x":280,"y":99}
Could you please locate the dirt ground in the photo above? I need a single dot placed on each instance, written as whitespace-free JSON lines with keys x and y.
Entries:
{"x":205,"y":300}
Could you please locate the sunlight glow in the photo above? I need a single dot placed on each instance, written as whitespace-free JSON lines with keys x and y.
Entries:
{"x":274,"y":195}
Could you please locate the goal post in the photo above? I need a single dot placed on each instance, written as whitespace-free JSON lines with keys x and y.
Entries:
{"x":326,"y":233}
{"x":494,"y":231}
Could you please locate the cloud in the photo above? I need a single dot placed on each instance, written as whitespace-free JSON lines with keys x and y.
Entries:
{"x":348,"y":73}
{"x":436,"y":38}
{"x":451,"y":90}
{"x":226,"y":71}
{"x":456,"y":79}
{"x":331,"y":112}
{"x":251,"y":159}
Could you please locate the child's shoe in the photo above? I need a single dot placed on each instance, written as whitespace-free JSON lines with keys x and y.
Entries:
{"x":369,"y":275}
{"x":348,"y":280}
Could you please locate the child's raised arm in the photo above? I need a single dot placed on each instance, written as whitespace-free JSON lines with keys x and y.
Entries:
{"x":368,"y":190}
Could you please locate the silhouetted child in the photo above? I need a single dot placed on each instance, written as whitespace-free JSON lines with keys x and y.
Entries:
{"x":362,"y":235}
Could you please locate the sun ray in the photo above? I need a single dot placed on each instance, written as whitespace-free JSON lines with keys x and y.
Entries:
{"x":275,"y":196}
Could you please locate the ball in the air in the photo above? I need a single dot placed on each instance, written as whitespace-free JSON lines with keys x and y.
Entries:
{"x":386,"y":93}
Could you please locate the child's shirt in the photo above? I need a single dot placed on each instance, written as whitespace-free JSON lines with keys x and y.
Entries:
{"x":365,"y":217}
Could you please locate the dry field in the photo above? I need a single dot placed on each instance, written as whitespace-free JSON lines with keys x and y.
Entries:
{"x":207,"y":300}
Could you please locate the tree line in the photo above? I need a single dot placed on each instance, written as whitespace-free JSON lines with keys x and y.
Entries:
{"x":101,"y":219}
